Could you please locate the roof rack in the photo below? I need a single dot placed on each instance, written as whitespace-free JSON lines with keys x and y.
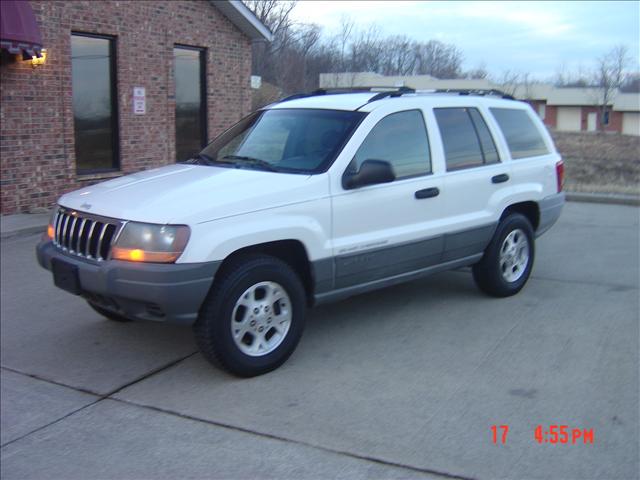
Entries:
{"x":388,"y":92}
{"x":476,"y":91}
{"x":382,"y":92}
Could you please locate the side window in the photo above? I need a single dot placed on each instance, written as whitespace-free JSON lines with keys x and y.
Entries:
{"x":523,"y":137}
{"x":489,"y":151}
{"x":466,"y":139}
{"x":400,"y":139}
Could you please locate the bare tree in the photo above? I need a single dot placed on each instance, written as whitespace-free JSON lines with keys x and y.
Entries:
{"x":609,"y":77}
{"x":579,"y":78}
{"x":440,"y":60}
{"x":344,"y":37}
{"x":526,"y":82}
{"x":308,"y":36}
{"x":631,"y":83}
{"x":276,"y":16}
{"x":479,"y":72}
{"x":299,"y":53}
{"x":509,"y":82}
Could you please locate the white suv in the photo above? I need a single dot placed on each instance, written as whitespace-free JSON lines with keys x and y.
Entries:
{"x":312,"y":199}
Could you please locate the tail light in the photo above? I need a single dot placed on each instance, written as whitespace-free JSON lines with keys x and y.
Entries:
{"x":560,"y":174}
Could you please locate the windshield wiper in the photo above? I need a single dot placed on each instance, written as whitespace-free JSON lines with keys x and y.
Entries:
{"x":200,"y":158}
{"x":252,"y":161}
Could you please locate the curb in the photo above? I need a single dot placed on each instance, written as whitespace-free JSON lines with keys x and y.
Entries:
{"x":606,"y":198}
{"x":23,"y":231}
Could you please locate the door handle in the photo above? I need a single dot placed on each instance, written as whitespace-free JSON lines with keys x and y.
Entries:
{"x":427,"y":193}
{"x":500,"y":178}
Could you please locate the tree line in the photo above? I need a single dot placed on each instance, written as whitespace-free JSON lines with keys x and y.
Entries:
{"x":299,"y":52}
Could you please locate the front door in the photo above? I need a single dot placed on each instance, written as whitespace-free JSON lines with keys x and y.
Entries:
{"x":384,"y":230}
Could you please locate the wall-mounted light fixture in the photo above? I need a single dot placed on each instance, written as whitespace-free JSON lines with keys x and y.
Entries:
{"x":35,"y":61}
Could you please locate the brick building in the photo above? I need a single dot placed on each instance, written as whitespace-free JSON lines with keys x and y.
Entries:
{"x":121,"y":86}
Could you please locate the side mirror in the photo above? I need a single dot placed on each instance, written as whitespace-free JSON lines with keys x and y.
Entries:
{"x":372,"y":172}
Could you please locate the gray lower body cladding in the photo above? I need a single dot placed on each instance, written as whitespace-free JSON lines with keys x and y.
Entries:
{"x":143,"y":291}
{"x":550,"y":209}
{"x":351,"y":274}
{"x":348,"y":275}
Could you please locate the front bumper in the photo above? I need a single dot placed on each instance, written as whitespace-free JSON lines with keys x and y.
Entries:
{"x":143,"y":291}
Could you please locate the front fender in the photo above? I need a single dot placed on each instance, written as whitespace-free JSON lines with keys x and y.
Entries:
{"x":307,"y":222}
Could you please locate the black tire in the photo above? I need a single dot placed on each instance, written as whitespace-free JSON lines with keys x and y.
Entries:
{"x":488,"y":273}
{"x":213,"y":328}
{"x":108,"y":314}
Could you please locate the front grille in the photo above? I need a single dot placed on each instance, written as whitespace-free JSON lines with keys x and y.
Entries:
{"x":84,"y":235}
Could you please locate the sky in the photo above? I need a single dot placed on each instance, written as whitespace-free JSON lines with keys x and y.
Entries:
{"x":535,"y":37}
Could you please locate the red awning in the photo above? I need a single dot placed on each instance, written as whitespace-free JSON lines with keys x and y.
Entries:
{"x":19,"y":31}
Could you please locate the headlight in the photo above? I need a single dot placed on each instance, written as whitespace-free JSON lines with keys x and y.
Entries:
{"x":145,"y":242}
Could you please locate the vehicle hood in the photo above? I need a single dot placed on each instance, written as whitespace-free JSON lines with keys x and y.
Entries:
{"x":190,"y":194}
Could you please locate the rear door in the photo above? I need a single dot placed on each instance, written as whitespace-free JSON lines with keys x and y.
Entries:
{"x":475,"y":181}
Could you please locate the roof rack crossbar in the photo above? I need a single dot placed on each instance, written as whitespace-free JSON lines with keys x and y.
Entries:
{"x":391,"y":93}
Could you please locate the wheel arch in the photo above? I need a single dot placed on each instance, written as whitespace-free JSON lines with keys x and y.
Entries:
{"x":530,"y":209}
{"x":290,"y":251}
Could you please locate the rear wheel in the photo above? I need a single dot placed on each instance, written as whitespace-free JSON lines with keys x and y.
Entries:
{"x":253,"y":317}
{"x":507,"y":261}
{"x":108,"y":314}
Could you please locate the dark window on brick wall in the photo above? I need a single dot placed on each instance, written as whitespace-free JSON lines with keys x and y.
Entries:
{"x":94,"y":103}
{"x":191,"y":111}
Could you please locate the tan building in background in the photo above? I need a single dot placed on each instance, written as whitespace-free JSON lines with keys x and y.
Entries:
{"x":563,"y":109}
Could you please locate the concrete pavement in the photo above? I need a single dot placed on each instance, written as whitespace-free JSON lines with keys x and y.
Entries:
{"x":401,"y":383}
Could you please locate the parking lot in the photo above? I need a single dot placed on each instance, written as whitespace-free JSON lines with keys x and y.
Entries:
{"x":401,"y":383}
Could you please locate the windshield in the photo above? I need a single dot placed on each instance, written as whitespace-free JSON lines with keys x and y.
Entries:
{"x":283,"y":140}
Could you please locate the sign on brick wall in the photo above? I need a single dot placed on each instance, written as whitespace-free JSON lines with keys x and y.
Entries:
{"x":139,"y":101}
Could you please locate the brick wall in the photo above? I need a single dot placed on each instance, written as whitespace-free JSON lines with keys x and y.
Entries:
{"x":36,"y":112}
{"x":615,"y":119}
{"x":550,"y":115}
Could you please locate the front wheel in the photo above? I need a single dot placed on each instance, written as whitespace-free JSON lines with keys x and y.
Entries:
{"x":253,"y":318}
{"x":507,"y":261}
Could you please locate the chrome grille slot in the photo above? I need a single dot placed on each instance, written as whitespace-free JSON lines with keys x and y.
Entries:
{"x":85,"y":235}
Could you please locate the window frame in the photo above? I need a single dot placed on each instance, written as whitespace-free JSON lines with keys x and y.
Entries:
{"x":115,"y":111}
{"x":426,"y":132}
{"x":204,"y":101}
{"x":475,"y":130}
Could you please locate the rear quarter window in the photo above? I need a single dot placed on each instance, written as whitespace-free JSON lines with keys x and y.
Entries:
{"x":522,"y":135}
